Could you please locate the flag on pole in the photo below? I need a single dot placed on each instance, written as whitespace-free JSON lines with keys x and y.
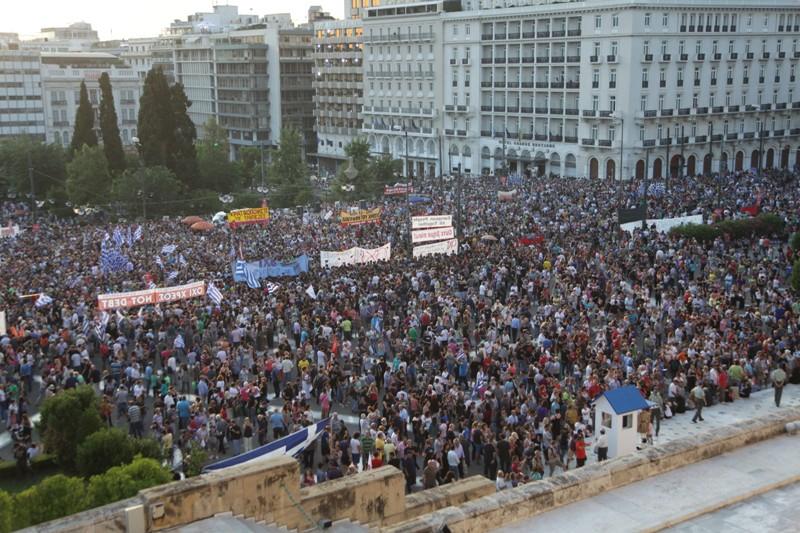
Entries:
{"x":168,"y":248}
{"x":311,"y":292}
{"x":138,"y":233}
{"x":214,"y":293}
{"x":43,"y":300}
{"x":252,"y":281}
{"x":119,"y":240}
{"x":182,"y":260}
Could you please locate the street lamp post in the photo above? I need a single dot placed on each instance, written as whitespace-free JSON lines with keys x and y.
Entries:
{"x":618,"y":117}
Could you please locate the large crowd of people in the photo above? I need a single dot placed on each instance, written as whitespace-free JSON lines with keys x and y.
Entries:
{"x":487,"y":361}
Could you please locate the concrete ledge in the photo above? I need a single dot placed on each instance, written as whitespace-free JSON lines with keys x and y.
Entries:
{"x":453,"y":494}
{"x":528,"y":500}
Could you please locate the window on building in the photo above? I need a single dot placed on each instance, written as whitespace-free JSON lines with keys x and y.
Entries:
{"x":730,"y":47}
{"x":647,"y":20}
{"x":660,"y":101}
{"x":614,"y":48}
{"x":643,"y":103}
{"x":594,"y":132}
{"x":595,"y":103}
{"x":612,"y":76}
{"x":641,"y":133}
{"x":663,"y":48}
{"x":612,"y":133}
{"x":646,"y":47}
{"x":612,"y":103}
{"x":595,"y":77}
{"x":598,"y":22}
{"x":615,"y":20}
{"x":678,"y":102}
{"x":665,"y":19}
{"x":698,"y":47}
{"x":694,"y":100}
{"x":681,"y":47}
{"x":658,"y":131}
{"x":644,"y":76}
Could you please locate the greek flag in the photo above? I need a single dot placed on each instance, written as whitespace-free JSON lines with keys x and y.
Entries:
{"x":214,"y":293}
{"x":172,"y":275}
{"x":86,"y":326}
{"x":291,"y":445}
{"x":272,"y":287}
{"x":168,"y":249}
{"x":43,"y":300}
{"x":182,"y":260}
{"x":111,"y":260}
{"x":129,"y":237}
{"x":655,"y":189}
{"x":151,"y":285}
{"x":118,"y":238}
{"x":242,"y":270}
{"x":138,"y":233}
{"x":159,"y":262}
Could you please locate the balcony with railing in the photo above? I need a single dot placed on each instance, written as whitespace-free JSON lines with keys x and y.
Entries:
{"x":778,"y":133}
{"x":611,"y":58}
{"x":648,"y":143}
{"x":665,"y":141}
{"x":540,"y":110}
{"x":605,"y":143}
{"x":781,"y":105}
{"x":732,"y":136}
{"x":570,"y":139}
{"x":700,"y":138}
{"x":589,"y":113}
{"x":666,"y":112}
{"x":573,"y":59}
{"x":718,"y":109}
{"x":684,"y":111}
{"x":701,"y":111}
{"x":571,"y":111}
{"x":573,"y":85}
{"x":587,"y":142}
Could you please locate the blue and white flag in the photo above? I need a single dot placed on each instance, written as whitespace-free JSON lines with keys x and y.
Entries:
{"x":243,"y":270}
{"x":138,"y":233}
{"x":291,"y":445}
{"x":182,"y":260}
{"x":152,"y":285}
{"x":43,"y":300}
{"x":159,"y":262}
{"x":129,"y":237}
{"x":272,"y":287}
{"x":214,"y":293}
{"x":119,"y":240}
{"x":172,"y":275}
{"x":111,"y":260}
{"x":168,"y":248}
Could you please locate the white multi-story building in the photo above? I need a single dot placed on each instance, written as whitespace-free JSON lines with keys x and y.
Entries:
{"x":580,"y":88}
{"x":61,"y":77}
{"x":138,"y":54}
{"x":21,"y":111}
{"x":77,"y":37}
{"x":338,"y":89}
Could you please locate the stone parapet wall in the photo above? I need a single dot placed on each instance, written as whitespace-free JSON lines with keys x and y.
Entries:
{"x":483,"y":514}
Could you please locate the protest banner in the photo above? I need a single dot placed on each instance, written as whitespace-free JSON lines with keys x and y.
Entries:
{"x":663,"y":224}
{"x":445,"y":247}
{"x":9,"y":231}
{"x":269,"y":268}
{"x":506,"y":196}
{"x":122,"y":300}
{"x":431,"y":221}
{"x":355,"y":256}
{"x":361,"y":216}
{"x":2,"y":323}
{"x":432,"y":234}
{"x":397,"y":189}
{"x":252,"y":215}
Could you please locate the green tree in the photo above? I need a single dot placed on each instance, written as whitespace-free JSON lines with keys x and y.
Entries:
{"x":288,"y":174}
{"x":194,"y":460}
{"x":68,"y":419}
{"x":88,"y":178}
{"x":382,"y":171}
{"x":184,"y":156}
{"x":52,"y":498}
{"x":109,"y":130}
{"x":370,"y":175}
{"x":84,"y":123}
{"x":250,"y":165}
{"x":157,"y":186}
{"x":125,"y":481}
{"x":102,"y":450}
{"x":795,"y":280}
{"x":156,"y":122}
{"x":794,"y":241}
{"x":48,"y":161}
{"x":216,"y":171}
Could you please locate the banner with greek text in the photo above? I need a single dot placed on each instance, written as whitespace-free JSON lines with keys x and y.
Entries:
{"x":433,"y":234}
{"x":9,"y":231}
{"x":506,"y":196}
{"x":253,"y":215}
{"x":445,"y":247}
{"x":355,"y":256}
{"x":397,"y":189}
{"x":362,"y":216}
{"x":121,"y":300}
{"x":268,"y":268}
{"x":663,"y":224}
{"x":431,"y":221}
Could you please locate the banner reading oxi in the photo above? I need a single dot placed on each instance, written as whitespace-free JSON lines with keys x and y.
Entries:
{"x":360,"y":217}
{"x":432,"y":221}
{"x":355,"y":256}
{"x":253,"y":215}
{"x":268,"y":268}
{"x":445,"y":247}
{"x":159,"y":295}
{"x":435,"y":234}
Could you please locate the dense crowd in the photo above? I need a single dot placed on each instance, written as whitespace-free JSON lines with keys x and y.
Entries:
{"x":486,"y":361}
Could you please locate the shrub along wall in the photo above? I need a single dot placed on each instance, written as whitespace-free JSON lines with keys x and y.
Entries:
{"x":764,"y":225}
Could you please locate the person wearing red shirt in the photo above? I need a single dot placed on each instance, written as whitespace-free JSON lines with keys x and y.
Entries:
{"x":580,"y":450}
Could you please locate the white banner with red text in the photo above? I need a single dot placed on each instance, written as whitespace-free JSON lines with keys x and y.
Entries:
{"x":355,"y":256}
{"x":434,"y":234}
{"x":159,"y":295}
{"x":445,"y":247}
{"x":431,"y":221}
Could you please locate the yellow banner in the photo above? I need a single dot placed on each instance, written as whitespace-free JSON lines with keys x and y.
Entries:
{"x":253,"y":215}
{"x":360,"y":217}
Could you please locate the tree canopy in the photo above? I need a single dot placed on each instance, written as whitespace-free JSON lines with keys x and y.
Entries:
{"x":216,"y":171}
{"x":288,"y":174}
{"x":368,"y":175}
{"x":88,"y":177}
{"x":84,"y":123}
{"x":67,"y":420}
{"x":184,"y":156}
{"x":109,"y":130}
{"x":156,"y":122}
{"x":160,"y":185}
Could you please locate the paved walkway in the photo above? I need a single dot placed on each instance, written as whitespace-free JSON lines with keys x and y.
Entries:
{"x":776,"y":510}
{"x":682,"y":493}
